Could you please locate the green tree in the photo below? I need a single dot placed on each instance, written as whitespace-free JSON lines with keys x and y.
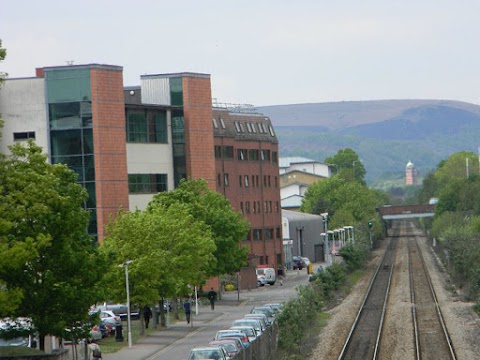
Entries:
{"x":170,"y":250}
{"x":347,"y":165}
{"x":50,"y":267}
{"x":228,"y":227}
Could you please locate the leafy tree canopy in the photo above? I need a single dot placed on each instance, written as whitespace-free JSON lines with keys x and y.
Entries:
{"x":228,"y":227}
{"x":347,"y":165}
{"x":169,"y":248}
{"x":50,"y":268}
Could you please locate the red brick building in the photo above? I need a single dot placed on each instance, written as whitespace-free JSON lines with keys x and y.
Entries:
{"x":247,"y":173}
{"x":129,"y":143}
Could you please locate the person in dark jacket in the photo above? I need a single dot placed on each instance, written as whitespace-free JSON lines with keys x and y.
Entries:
{"x":147,"y":315}
{"x":211,"y":296}
{"x":188,"y":311}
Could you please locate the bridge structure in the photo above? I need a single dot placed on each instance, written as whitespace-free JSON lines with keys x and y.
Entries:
{"x":401,"y":212}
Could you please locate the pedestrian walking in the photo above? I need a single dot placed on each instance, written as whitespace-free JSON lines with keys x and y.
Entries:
{"x":94,"y":350}
{"x":147,"y":315}
{"x":211,"y":296}
{"x":188,"y":311}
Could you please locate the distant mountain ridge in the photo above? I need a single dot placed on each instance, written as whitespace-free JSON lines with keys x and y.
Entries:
{"x":345,"y":114}
{"x":385,"y":133}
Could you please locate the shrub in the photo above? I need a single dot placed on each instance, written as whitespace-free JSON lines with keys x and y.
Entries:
{"x":229,"y":287}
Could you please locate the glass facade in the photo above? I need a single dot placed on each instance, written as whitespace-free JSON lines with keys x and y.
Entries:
{"x":147,"y":183}
{"x":179,"y":147}
{"x":147,"y":126}
{"x":70,"y":126}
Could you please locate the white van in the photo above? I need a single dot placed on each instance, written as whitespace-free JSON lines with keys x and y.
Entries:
{"x":268,"y":274}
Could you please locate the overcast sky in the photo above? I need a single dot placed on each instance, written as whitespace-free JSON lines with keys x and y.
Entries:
{"x":261,"y":52}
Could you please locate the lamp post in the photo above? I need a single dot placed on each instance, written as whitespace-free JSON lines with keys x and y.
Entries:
{"x":325,"y":228}
{"x":129,"y":325}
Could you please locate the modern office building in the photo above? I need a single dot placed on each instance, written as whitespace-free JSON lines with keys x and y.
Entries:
{"x":128,"y":143}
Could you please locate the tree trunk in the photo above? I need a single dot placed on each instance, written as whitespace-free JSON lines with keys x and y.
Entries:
{"x":41,"y":340}
{"x":163,"y":320}
{"x":175,"y":309}
{"x":142,"y":322}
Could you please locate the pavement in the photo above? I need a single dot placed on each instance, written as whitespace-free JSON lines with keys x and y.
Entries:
{"x":149,"y":346}
{"x":155,"y":342}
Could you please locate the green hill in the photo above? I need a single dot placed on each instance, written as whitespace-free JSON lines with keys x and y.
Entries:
{"x":386,"y":133}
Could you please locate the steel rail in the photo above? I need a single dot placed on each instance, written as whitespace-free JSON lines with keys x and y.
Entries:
{"x":347,"y":343}
{"x":437,"y":306}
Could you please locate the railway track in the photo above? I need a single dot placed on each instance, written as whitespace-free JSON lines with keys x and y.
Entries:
{"x":432,"y":340}
{"x":363,"y":339}
{"x":430,"y":333}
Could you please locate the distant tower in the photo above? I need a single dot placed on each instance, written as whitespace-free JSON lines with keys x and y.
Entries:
{"x":410,"y":174}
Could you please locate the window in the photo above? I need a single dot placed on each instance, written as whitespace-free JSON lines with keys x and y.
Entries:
{"x":241,"y":206}
{"x":260,"y":130}
{"x":253,"y":180}
{"x":225,"y":179}
{"x":253,"y":154}
{"x":219,"y":180}
{"x":218,"y":152}
{"x":269,"y":183}
{"x":277,"y":208}
{"x":249,"y":127}
{"x":242,"y":154}
{"x":240,"y":180}
{"x":254,"y":129}
{"x":276,"y":181}
{"x":257,"y":180}
{"x":274,"y":157}
{"x":265,"y":206}
{"x":255,"y":208}
{"x":257,"y":234}
{"x":241,"y":127}
{"x":265,"y":155}
{"x":246,"y":181}
{"x":23,"y":135}
{"x":147,"y":183}
{"x":271,"y":131}
{"x":228,"y":152}
{"x":265,"y":181}
{"x":270,"y":206}
{"x":215,"y":125}
{"x":147,"y":126}
{"x":222,"y":123}
{"x":279,"y":233}
{"x":247,"y":207}
{"x":237,"y":126}
{"x":268,"y":233}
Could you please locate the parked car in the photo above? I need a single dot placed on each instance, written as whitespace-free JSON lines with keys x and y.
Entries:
{"x":261,"y":317}
{"x":248,"y":330}
{"x":209,"y":352}
{"x":261,"y":280}
{"x":268,"y":274}
{"x":298,"y":263}
{"x":277,"y":307}
{"x":266,"y":310}
{"x":255,"y":323}
{"x":230,"y":345}
{"x":306,"y":260}
{"x":227,"y":334}
{"x":108,"y":317}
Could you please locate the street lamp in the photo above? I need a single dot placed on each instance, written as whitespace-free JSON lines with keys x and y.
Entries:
{"x":325,"y":228}
{"x":129,"y":325}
